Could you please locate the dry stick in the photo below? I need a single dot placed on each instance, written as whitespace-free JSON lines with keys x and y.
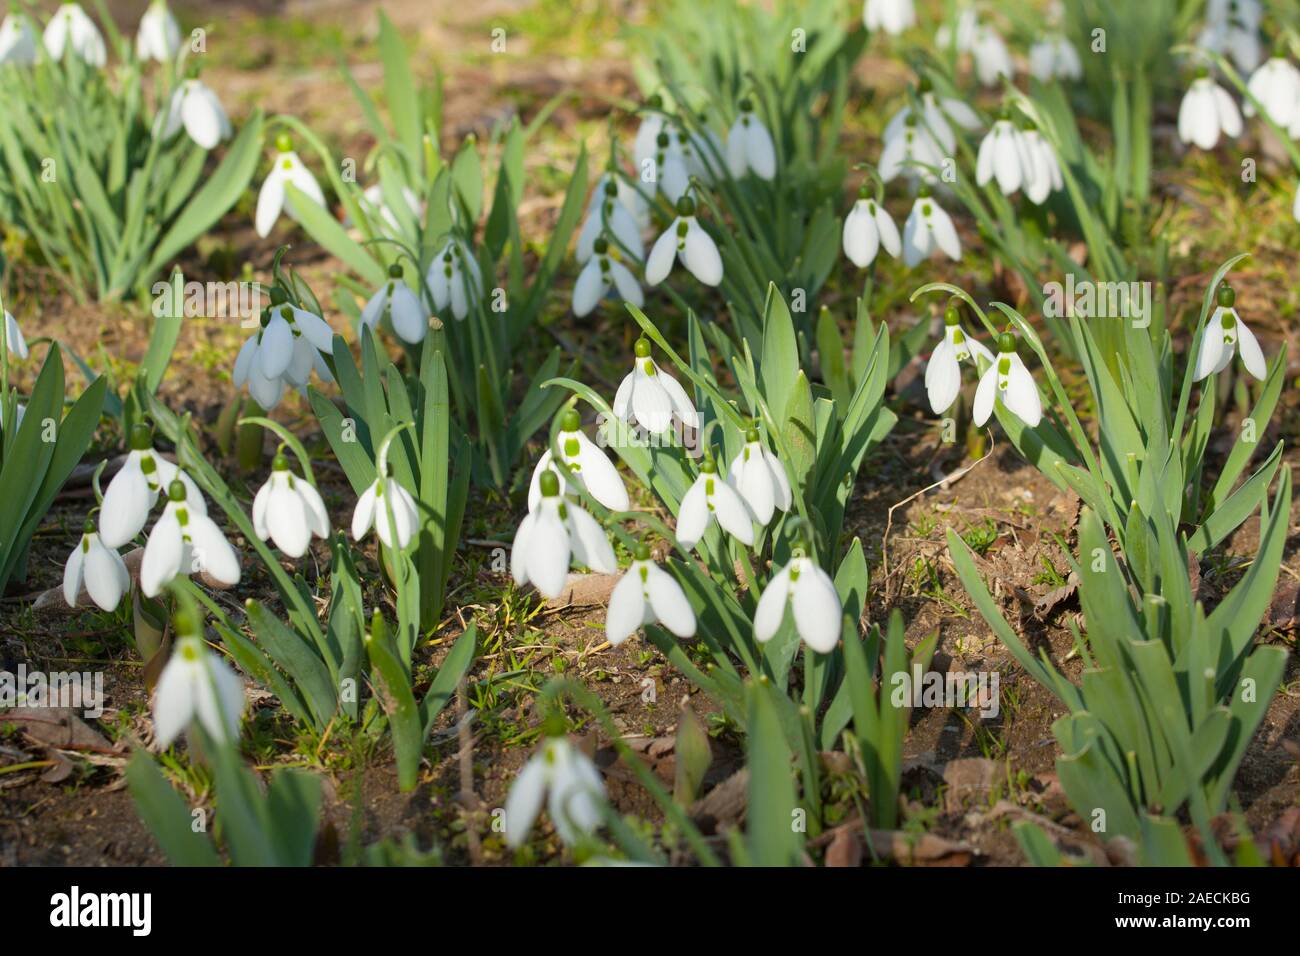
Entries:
{"x":468,"y":798}
{"x":944,"y":482}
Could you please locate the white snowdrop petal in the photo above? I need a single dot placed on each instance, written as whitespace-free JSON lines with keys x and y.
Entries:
{"x":662,"y":255}
{"x":626,"y":607}
{"x":286,"y":521}
{"x":589,"y":289}
{"x":163,"y":554}
{"x":72,"y":572}
{"x":942,"y":377}
{"x":818,"y":616}
{"x":701,"y":255}
{"x":173,"y":700}
{"x":985,"y":393}
{"x":669,"y":602}
{"x":524,"y":801}
{"x":693,"y":515}
{"x":1251,"y":355}
{"x":732,"y":514}
{"x":589,"y":542}
{"x":213,"y":554}
{"x":771,"y":606}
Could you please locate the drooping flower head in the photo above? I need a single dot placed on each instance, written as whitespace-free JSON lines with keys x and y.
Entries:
{"x":708,"y":499}
{"x":943,"y":373}
{"x":867,"y":228}
{"x":557,"y":531}
{"x":184,"y":540}
{"x":749,"y":145}
{"x":289,"y":510}
{"x":651,"y":396}
{"x":685,"y":241}
{"x":563,"y":777}
{"x":759,"y":478}
{"x":810,"y":594}
{"x":1009,"y":382}
{"x":586,"y":462}
{"x":602,"y":274}
{"x":196,"y":685}
{"x":1225,"y":335}
{"x":98,"y":568}
{"x":287,"y":168}
{"x":647,"y":594}
{"x":399,"y":303}
{"x":159,"y":37}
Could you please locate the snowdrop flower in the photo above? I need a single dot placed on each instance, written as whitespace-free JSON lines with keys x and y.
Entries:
{"x":557,"y":530}
{"x":932,"y":119}
{"x":914,"y":153}
{"x":671,"y":177}
{"x":928,"y":227}
{"x":131,"y":494}
{"x":892,"y":16}
{"x":184,"y":539}
{"x":943,"y":373}
{"x":17,"y":41}
{"x":759,"y":478}
{"x":992,"y":58}
{"x":1009,"y":381}
{"x":607,"y":213}
{"x":710,"y":497}
{"x":372,"y":203}
{"x":1225,"y":334}
{"x":22,"y":411}
{"x":1002,"y":156}
{"x":686,"y":240}
{"x":598,"y":276}
{"x":289,"y":510}
{"x":651,"y":396}
{"x":454,"y":280}
{"x":196,"y":684}
{"x":646,"y":142}
{"x":750,"y":146}
{"x":962,"y":38}
{"x":1054,"y":57}
{"x":647,"y":594}
{"x":867,"y":227}
{"x":288,"y":168}
{"x":194,"y":106}
{"x":587,"y":462}
{"x":99,"y":568}
{"x":564,"y":773}
{"x":810,"y":594}
{"x":1232,"y":27}
{"x":159,"y":37}
{"x":71,"y":29}
{"x":1206,"y":111}
{"x":403,"y":307}
{"x":372,"y":509}
{"x":1276,"y":85}
{"x":285,"y":349}
{"x":14,"y":339}
{"x":1042,"y":170}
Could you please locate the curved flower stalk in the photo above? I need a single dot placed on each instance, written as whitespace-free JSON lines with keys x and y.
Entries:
{"x":17,"y":40}
{"x":399,"y":303}
{"x":454,"y":279}
{"x":98,"y":568}
{"x":290,"y":343}
{"x":196,"y":685}
{"x":710,"y":498}
{"x":943,"y":372}
{"x":134,"y":490}
{"x":70,"y":30}
{"x":196,"y":108}
{"x":810,"y":594}
{"x":685,"y":241}
{"x":585,"y":462}
{"x":1009,"y":382}
{"x":1207,"y":111}
{"x":891,"y":16}
{"x":647,"y":594}
{"x":928,"y":228}
{"x":184,"y":539}
{"x":563,"y":777}
{"x":867,"y":228}
{"x":609,"y":214}
{"x":759,"y":478}
{"x":749,"y":145}
{"x":1226,"y":335}
{"x":651,"y":397}
{"x":599,"y":276}
{"x":289,"y":510}
{"x":271,"y":200}
{"x":14,"y":339}
{"x":373,"y":510}
{"x":1054,"y":58}
{"x":159,"y":36}
{"x":557,"y":531}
